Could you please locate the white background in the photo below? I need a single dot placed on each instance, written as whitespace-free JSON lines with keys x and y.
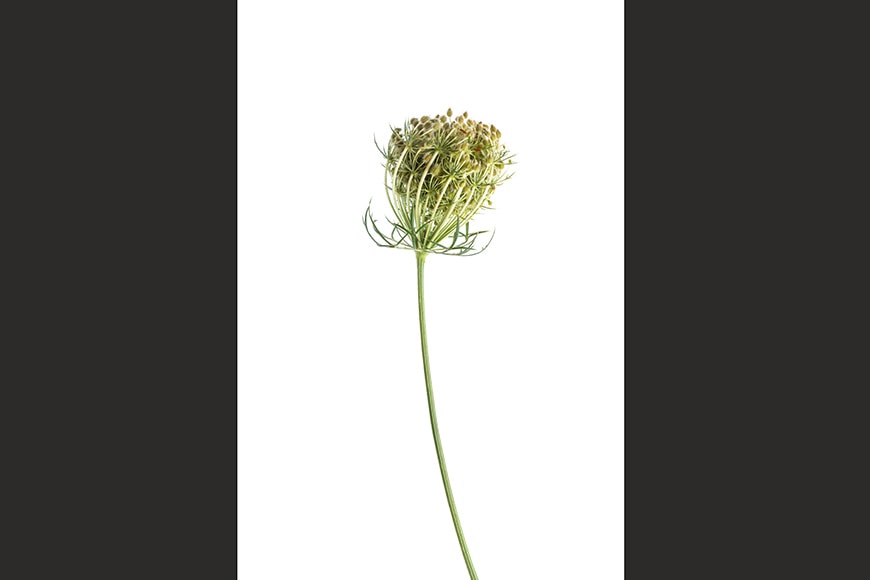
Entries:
{"x":338,"y":477}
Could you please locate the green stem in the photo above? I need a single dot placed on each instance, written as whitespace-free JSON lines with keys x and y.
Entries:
{"x":421,"y":257}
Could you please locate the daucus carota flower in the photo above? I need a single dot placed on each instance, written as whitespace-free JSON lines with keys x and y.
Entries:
{"x":439,"y":173}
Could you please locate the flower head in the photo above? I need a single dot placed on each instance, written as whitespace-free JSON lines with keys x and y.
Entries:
{"x":440,"y":172}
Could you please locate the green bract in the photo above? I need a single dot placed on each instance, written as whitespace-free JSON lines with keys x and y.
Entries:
{"x":439,"y":173}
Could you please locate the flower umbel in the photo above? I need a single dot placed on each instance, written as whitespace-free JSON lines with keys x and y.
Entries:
{"x":439,"y":173}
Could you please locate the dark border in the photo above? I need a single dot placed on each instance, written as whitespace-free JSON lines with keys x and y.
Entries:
{"x":744,"y":306}
{"x":120,"y":412}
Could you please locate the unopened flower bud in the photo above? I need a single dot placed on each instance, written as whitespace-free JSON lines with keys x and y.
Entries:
{"x":438,"y":180}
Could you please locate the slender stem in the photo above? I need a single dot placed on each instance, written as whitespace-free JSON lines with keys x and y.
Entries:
{"x":421,"y":257}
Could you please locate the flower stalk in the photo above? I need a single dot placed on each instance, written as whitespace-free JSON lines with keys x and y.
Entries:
{"x":433,"y":419}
